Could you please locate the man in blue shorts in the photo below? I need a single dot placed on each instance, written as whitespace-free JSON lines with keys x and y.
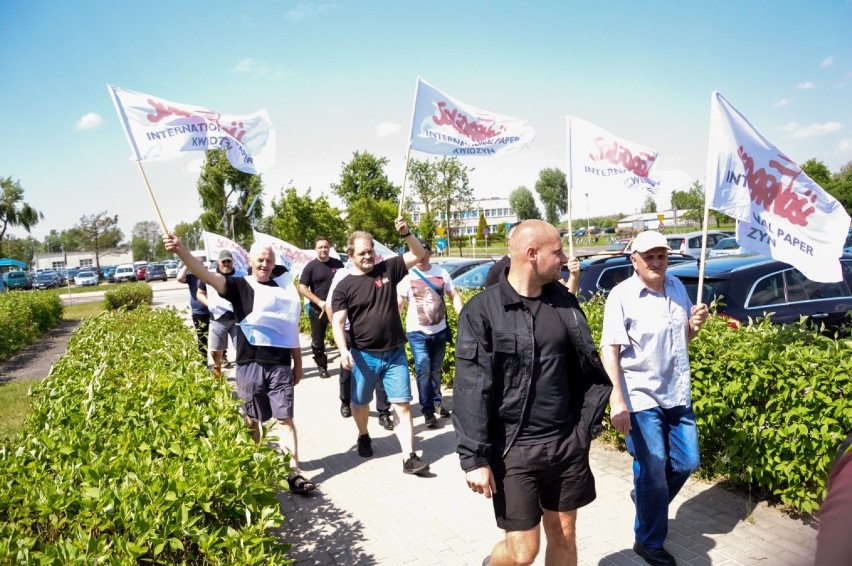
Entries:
{"x":529,"y":396}
{"x":367,"y":298}
{"x":269,"y":357}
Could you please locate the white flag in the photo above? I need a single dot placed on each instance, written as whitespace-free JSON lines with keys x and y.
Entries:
{"x":598,"y":159}
{"x":158,"y":129}
{"x":292,"y":257}
{"x":782,"y":213}
{"x":444,"y":126}
{"x":214,"y":243}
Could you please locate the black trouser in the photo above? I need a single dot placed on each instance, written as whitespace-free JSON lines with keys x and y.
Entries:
{"x":201,"y":322}
{"x":319,"y":324}
{"x":382,"y":405}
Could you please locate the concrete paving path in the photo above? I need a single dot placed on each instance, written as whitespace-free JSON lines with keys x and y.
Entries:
{"x":366,"y":511}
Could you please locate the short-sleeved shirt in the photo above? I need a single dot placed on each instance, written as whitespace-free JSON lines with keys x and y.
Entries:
{"x":371,"y":303}
{"x":317,"y":276}
{"x":196,"y":306}
{"x":241,"y":295}
{"x":652,"y":330}
{"x":427,"y":311}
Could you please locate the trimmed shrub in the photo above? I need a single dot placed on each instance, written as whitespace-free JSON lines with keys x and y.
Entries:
{"x":24,"y":317}
{"x":134,"y":455}
{"x":129,"y":296}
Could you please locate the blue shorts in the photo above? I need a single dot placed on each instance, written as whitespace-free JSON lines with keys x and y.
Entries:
{"x":391,"y":367}
{"x":266,"y":390}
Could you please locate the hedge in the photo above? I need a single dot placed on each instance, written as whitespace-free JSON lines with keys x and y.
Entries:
{"x":24,"y":317}
{"x":134,"y":455}
{"x":129,"y":296}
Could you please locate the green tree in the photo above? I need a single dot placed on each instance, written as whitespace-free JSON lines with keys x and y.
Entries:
{"x":364,"y":177}
{"x":523,"y":203}
{"x":300,"y":219}
{"x":370,"y":198}
{"x":552,"y":189}
{"x":691,"y":202}
{"x":841,"y":186}
{"x":650,"y":205}
{"x":147,"y":242}
{"x":454,"y":195}
{"x":13,"y":210}
{"x":190,"y":233}
{"x":423,"y":189}
{"x":99,"y":231}
{"x":818,"y":171}
{"x":226,"y":194}
{"x":482,"y":226}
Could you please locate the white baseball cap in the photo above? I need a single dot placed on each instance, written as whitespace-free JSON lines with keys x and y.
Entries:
{"x":648,"y":240}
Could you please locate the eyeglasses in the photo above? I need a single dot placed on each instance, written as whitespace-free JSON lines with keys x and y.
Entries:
{"x":226,"y":261}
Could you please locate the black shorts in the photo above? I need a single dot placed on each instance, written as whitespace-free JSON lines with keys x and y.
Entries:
{"x":555,"y":476}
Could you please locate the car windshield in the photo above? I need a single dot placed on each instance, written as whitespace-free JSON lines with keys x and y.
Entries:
{"x":85,"y":274}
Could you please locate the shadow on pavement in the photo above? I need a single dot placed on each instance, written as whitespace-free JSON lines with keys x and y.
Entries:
{"x":320,"y":533}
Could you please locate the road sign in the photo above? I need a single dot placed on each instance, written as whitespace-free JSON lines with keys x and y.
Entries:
{"x":440,"y":230}
{"x":441,"y":244}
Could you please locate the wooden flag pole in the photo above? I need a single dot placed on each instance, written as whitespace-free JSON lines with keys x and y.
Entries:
{"x":404,"y":181}
{"x":151,"y":196}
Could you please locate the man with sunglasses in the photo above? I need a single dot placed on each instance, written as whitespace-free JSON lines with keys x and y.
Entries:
{"x":222,"y":320}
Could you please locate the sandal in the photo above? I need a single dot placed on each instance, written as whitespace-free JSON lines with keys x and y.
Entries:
{"x":300,"y":485}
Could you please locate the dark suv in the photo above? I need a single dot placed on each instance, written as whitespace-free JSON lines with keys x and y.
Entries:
{"x":600,"y":273}
{"x":751,"y":286}
{"x":156,"y":272}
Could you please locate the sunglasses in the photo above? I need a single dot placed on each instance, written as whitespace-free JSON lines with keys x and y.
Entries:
{"x":226,"y":261}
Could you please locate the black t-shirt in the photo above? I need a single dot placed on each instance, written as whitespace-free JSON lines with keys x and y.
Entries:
{"x":548,"y":412}
{"x":241,"y":294}
{"x":317,"y":276}
{"x":370,"y":299}
{"x":493,"y":276}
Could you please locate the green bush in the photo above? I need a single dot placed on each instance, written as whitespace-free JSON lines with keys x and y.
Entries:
{"x":24,"y":317}
{"x":129,"y":296}
{"x":134,"y":455}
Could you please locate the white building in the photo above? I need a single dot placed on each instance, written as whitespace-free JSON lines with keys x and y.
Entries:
{"x":62,"y":260}
{"x":497,"y":213}
{"x":651,"y":221}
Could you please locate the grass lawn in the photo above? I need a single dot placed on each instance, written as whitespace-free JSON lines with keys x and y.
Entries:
{"x":13,"y":394}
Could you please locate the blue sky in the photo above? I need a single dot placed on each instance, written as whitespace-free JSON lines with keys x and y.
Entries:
{"x":338,"y":77}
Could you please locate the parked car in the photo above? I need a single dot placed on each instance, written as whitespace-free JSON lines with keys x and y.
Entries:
{"x":47,"y":280}
{"x":456,"y":267}
{"x":172,"y":268}
{"x":474,"y":278}
{"x":600,"y":273}
{"x":690,"y":243}
{"x":107,"y":272}
{"x":727,"y":246}
{"x":617,"y":247}
{"x":124,"y":272}
{"x":155,"y":272}
{"x":753,"y":286}
{"x":85,"y":278}
{"x":19,"y":280}
{"x":139,"y":271}
{"x":71,"y":272}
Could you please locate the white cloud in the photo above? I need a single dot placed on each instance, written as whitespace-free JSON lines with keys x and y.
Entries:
{"x":845,"y":144}
{"x":784,"y":102}
{"x":90,"y":121}
{"x":306,"y":11}
{"x":827,"y":62}
{"x":814,"y":130}
{"x":385,"y":129}
{"x":807,"y":85}
{"x":256,"y":69}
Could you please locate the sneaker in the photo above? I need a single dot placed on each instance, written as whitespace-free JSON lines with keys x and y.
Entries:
{"x":442,"y":412}
{"x":414,"y":465}
{"x":430,"y":419}
{"x":323,"y":373}
{"x":345,"y":410}
{"x":365,"y":450}
{"x":386,"y":421}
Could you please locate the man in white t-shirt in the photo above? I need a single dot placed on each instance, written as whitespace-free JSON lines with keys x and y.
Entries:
{"x":426,"y":323}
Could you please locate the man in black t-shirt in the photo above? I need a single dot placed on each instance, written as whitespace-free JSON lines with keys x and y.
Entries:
{"x":529,"y":395}
{"x":269,"y":357}
{"x":314,"y":283}
{"x":367,"y":297}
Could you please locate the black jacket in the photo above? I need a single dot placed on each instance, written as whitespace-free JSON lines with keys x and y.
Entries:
{"x":494,"y":364}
